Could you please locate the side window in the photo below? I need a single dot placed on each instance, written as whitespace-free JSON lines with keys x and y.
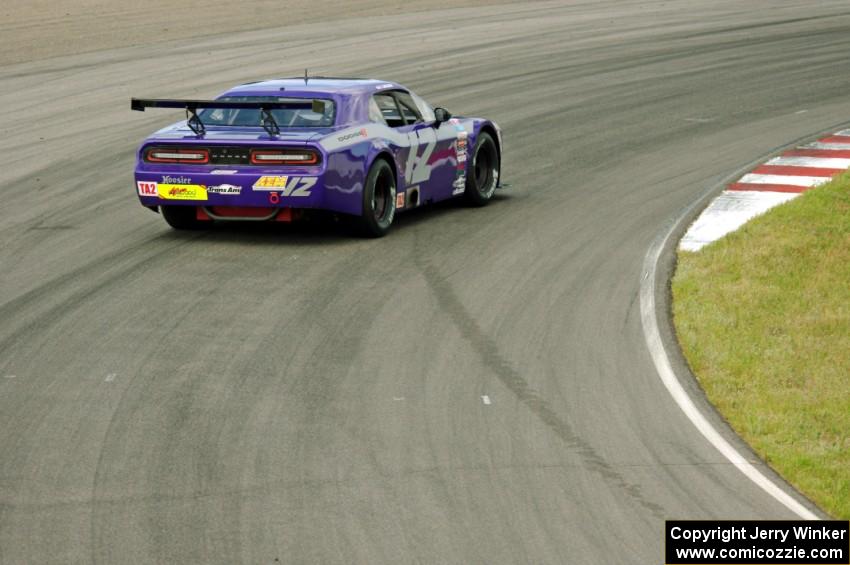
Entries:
{"x":375,"y":114}
{"x":408,"y":108}
{"x":388,"y":109}
{"x":425,"y":109}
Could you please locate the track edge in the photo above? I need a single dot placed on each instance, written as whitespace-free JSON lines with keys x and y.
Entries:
{"x":671,"y":366}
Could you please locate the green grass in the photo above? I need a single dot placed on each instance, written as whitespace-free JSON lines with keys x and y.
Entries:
{"x":763,"y":317}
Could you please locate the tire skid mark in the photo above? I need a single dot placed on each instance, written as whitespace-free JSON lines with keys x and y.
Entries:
{"x":54,"y":285}
{"x":768,"y":24}
{"x":15,"y":307}
{"x":118,"y":420}
{"x":488,"y":351}
{"x":313,"y":386}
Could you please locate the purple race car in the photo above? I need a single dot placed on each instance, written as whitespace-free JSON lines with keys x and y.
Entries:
{"x":270,"y":151}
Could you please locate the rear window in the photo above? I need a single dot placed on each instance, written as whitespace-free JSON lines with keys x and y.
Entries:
{"x":285,"y":118}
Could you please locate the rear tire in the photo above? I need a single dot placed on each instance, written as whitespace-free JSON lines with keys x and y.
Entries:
{"x":482,"y":173}
{"x":182,"y":217}
{"x":379,"y":194}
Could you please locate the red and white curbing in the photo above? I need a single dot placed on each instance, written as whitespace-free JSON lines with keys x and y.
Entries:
{"x":778,"y":180}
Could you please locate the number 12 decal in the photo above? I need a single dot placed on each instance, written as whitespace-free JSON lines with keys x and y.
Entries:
{"x":417,"y":169}
{"x":285,"y":185}
{"x":299,"y":186}
{"x":295,"y":186}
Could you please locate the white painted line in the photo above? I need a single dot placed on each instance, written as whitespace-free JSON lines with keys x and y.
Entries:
{"x":818,"y":162}
{"x":801,"y":111}
{"x":828,"y":146}
{"x":728,"y":212}
{"x":110,"y":377}
{"x":10,"y":377}
{"x":398,"y":398}
{"x":843,"y":133}
{"x":792,"y":180}
{"x":665,"y":372}
{"x":486,"y":400}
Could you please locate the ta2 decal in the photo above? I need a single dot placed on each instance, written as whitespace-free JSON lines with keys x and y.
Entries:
{"x":146,"y":188}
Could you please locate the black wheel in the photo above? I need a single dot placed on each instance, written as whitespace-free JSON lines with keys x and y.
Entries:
{"x":482,"y":172}
{"x":378,"y":200}
{"x":182,"y":217}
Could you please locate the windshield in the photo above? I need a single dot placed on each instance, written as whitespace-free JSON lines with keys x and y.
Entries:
{"x":285,"y":118}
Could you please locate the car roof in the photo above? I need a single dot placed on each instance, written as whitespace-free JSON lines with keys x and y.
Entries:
{"x":348,"y":93}
{"x":315,"y":85}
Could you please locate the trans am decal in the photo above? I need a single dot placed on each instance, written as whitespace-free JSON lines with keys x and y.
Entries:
{"x":224,"y":189}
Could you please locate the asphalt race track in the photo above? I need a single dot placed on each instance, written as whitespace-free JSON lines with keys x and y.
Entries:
{"x":293,"y":395}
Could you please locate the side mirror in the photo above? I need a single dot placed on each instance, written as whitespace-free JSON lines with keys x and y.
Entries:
{"x":441,"y":115}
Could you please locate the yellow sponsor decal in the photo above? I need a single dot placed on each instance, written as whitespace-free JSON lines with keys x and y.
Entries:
{"x":182,"y":191}
{"x":271,"y":182}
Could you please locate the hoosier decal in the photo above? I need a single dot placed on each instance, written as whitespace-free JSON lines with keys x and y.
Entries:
{"x":166,"y":179}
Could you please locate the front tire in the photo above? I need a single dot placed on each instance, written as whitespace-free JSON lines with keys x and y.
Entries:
{"x":482,"y":174}
{"x":378,"y":200}
{"x":182,"y":217}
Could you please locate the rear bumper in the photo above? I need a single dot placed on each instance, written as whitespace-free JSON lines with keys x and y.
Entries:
{"x":246,"y":188}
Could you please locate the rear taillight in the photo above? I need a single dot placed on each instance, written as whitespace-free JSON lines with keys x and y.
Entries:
{"x":284,"y":157}
{"x":168,"y":155}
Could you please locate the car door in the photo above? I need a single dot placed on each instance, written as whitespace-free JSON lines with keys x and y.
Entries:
{"x":385,"y":108}
{"x":449,"y":159}
{"x":431,"y":166}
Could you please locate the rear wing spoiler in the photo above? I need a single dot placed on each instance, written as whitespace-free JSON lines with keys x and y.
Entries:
{"x":196,"y":125}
